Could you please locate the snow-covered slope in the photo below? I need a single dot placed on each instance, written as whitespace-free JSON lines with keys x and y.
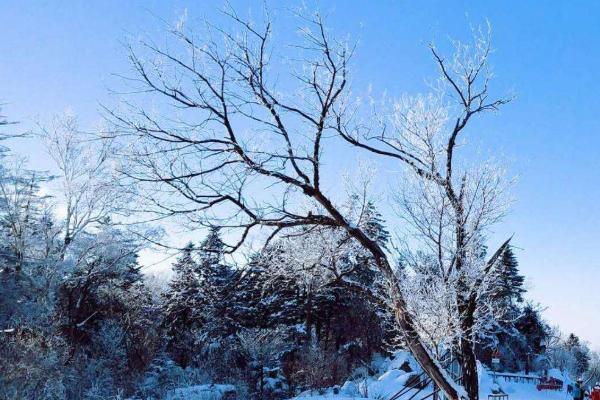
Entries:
{"x":392,"y":375}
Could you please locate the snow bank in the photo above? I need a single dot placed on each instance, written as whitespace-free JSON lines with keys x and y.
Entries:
{"x":392,"y":375}
{"x":520,"y":390}
{"x":202,"y":392}
{"x":528,"y":391}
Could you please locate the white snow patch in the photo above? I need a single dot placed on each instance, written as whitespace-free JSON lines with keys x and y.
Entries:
{"x":201,"y":392}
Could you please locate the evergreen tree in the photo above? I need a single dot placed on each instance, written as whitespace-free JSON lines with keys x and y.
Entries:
{"x":21,"y":212}
{"x":509,"y":283}
{"x":580,"y":354}
{"x":246,"y":308}
{"x":182,"y":308}
{"x":519,"y":334}
{"x":374,"y":225}
{"x":261,"y":302}
{"x":533,"y":329}
{"x":98,"y":288}
{"x":524,"y":341}
{"x":336,"y":313}
{"x":572,"y":342}
{"x":216,"y":290}
{"x":214,"y":273}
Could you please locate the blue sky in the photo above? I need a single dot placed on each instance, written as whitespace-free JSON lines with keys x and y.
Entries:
{"x":60,"y":55}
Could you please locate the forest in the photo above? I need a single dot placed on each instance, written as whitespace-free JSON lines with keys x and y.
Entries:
{"x":298,"y":274}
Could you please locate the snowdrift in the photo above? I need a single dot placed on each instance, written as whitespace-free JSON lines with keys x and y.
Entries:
{"x":392,"y":374}
{"x":203,"y":392}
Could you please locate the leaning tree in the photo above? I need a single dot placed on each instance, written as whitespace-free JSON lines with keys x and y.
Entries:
{"x":219,"y":128}
{"x":448,"y":203}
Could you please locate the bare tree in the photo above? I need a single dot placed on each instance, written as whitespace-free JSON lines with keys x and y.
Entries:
{"x":215,"y":140}
{"x":435,"y":288}
{"x":86,"y":193}
{"x":451,"y":205}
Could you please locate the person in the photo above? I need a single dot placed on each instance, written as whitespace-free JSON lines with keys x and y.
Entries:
{"x":595,"y":395}
{"x":578,"y":391}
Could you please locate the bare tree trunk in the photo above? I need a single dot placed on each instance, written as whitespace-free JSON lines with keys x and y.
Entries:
{"x":262,"y":381}
{"x":18,"y":263}
{"x":405,"y":322}
{"x":470,"y":379}
{"x":420,"y":352}
{"x":309,"y":318}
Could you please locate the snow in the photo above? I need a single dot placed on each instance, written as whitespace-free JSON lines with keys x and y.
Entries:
{"x":555,"y":373}
{"x":514,"y":375}
{"x":201,"y":392}
{"x":520,"y":391}
{"x":390,"y":379}
{"x":328,"y":396}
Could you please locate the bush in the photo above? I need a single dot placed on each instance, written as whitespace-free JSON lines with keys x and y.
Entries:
{"x":317,"y":367}
{"x":31,"y":365}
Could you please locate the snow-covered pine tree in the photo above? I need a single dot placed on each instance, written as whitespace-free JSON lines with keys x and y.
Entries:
{"x":533,"y":329}
{"x":104,"y":313}
{"x":509,"y":335}
{"x":182,"y":307}
{"x":21,"y":209}
{"x":30,"y":350}
{"x":260,"y":302}
{"x":531,"y":333}
{"x":214,"y":273}
{"x":363,"y":324}
{"x":580,"y":353}
{"x":374,"y":225}
{"x":105,"y":272}
{"x":323,"y":296}
{"x":217,"y":291}
{"x":509,"y":283}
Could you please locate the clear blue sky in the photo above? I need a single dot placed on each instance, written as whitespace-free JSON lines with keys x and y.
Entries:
{"x":57,"y":55}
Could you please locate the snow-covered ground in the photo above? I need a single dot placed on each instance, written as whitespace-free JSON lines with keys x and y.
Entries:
{"x":391,"y":375}
{"x":391,"y":378}
{"x":523,"y":391}
{"x":386,"y":378}
{"x":202,"y":392}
